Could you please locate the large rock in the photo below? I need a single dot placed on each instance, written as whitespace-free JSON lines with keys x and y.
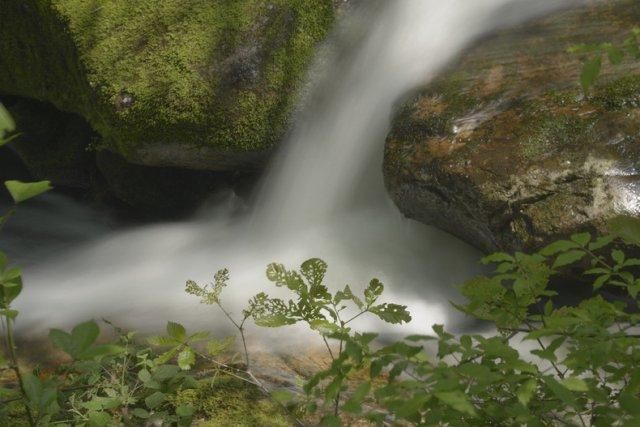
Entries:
{"x":504,"y":151}
{"x":199,"y":84}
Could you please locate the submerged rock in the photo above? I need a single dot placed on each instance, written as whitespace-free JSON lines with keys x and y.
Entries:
{"x":200,"y":84}
{"x":504,"y":151}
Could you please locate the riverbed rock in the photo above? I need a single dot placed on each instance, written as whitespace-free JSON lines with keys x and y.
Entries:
{"x":166,"y":83}
{"x":506,"y":152}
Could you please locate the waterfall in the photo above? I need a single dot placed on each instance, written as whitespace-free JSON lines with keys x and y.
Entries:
{"x":322,"y":197}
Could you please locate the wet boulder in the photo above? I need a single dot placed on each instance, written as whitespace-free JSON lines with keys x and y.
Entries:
{"x":165,"y":83}
{"x":505,"y":151}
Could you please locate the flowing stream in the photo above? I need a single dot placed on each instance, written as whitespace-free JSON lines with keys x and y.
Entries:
{"x":323,"y":196}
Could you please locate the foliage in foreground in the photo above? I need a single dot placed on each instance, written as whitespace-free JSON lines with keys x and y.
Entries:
{"x":584,"y":368}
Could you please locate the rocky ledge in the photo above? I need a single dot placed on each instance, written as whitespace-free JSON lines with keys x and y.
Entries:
{"x":505,"y":151}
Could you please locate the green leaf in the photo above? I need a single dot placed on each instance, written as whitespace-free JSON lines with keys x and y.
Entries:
{"x":154,"y":400}
{"x":600,"y":242}
{"x":162,"y":341}
{"x":84,"y":334}
{"x":165,"y":372}
{"x":10,"y":289}
{"x":140,"y":413}
{"x":458,"y":400}
{"x":22,"y":191}
{"x":582,"y":238}
{"x":496,"y":258}
{"x":559,"y":246}
{"x":567,"y":258}
{"x":575,"y":384}
{"x":590,"y":73}
{"x":526,"y":391}
{"x":185,"y":411}
{"x":99,"y":419}
{"x":314,"y":270}
{"x":6,"y":123}
{"x":217,"y":347}
{"x":61,"y":340}
{"x":177,"y":331}
{"x":100,"y":351}
{"x":373,"y":291}
{"x":186,"y":358}
{"x":560,"y":391}
{"x":392,"y":313}
{"x":600,"y":281}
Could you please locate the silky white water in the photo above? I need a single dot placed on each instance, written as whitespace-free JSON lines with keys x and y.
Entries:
{"x":323,"y":196}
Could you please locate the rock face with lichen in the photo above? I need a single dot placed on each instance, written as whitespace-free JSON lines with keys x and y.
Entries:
{"x":505,"y":151}
{"x":200,"y":84}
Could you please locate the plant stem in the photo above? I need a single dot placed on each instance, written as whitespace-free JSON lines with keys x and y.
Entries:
{"x":14,"y":362}
{"x":240,"y":328}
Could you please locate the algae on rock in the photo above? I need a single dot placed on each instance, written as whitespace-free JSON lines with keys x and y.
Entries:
{"x":200,"y":84}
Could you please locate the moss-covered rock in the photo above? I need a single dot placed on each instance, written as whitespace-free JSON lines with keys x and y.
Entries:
{"x":504,"y":150}
{"x":200,"y":84}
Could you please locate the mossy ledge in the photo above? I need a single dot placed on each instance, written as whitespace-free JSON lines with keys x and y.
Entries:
{"x":200,"y":84}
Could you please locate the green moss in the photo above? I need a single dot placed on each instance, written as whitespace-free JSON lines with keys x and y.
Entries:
{"x":221,"y":73}
{"x":232,"y":402}
{"x":619,"y":94}
{"x":549,"y":133}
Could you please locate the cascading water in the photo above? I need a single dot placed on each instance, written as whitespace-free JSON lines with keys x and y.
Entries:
{"x":323,"y":196}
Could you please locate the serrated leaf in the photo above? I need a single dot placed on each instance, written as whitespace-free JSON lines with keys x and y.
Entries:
{"x":568,"y":258}
{"x":560,"y":391}
{"x":176,"y":331}
{"x":392,"y":313}
{"x":199,"y":336}
{"x":600,"y":242}
{"x":559,"y":246}
{"x":457,"y":400}
{"x":314,"y":270}
{"x":581,"y":238}
{"x":217,"y":347}
{"x":22,"y":191}
{"x":496,"y":258}
{"x":186,"y":359}
{"x":373,"y":291}
{"x":162,"y":341}
{"x":600,"y":281}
